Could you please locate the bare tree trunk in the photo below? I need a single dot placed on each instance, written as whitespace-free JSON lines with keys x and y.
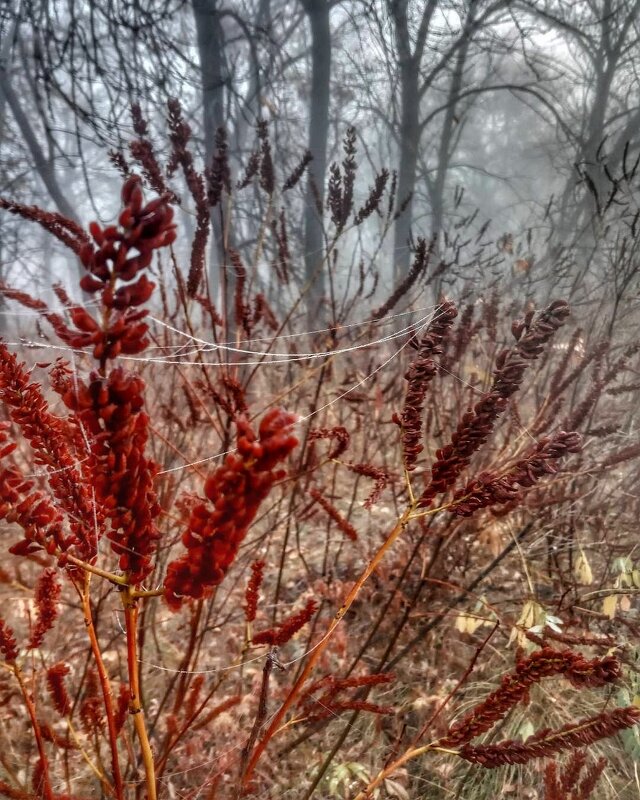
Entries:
{"x":448,"y":127}
{"x":409,"y":139}
{"x":210,"y":37}
{"x":44,"y":166}
{"x":318,"y":14}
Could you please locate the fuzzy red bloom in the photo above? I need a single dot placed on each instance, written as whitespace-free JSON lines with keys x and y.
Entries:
{"x":39,"y":777}
{"x":48,"y":437}
{"x":548,"y":742}
{"x":180,"y":133}
{"x":119,"y":254}
{"x":321,"y":700}
{"x":572,"y":770}
{"x":91,"y":708}
{"x":65,"y":230}
{"x":40,"y":520}
{"x":234,"y":492}
{"x":339,"y":434}
{"x":324,"y":694}
{"x":111,"y":410}
{"x":57,"y":689}
{"x":49,"y":734}
{"x":418,"y":268}
{"x":488,"y":489}
{"x":283,"y":632}
{"x":242,"y":309}
{"x":419,"y":375}
{"x":143,"y":152}
{"x":376,"y":193}
{"x":477,"y":424}
{"x":544,"y":663}
{"x":339,"y":706}
{"x":8,"y":646}
{"x":298,"y":171}
{"x":263,"y":311}
{"x":47,"y":596}
{"x":217,"y":173}
{"x":113,"y":260}
{"x":588,"y":783}
{"x":253,"y":587}
{"x":282,"y":257}
{"x":122,"y":707}
{"x":343,"y":524}
{"x":377,"y":474}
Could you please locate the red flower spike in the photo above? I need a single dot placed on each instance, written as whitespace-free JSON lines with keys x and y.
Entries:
{"x":47,"y":596}
{"x":49,"y":438}
{"x":234,"y":492}
{"x":343,"y":524}
{"x":253,"y":588}
{"x":57,"y":689}
{"x":286,"y":630}
{"x":544,"y":663}
{"x":111,"y":410}
{"x":8,"y":646}
{"x":91,"y":708}
{"x":377,"y":474}
{"x":477,"y":424}
{"x":489,"y":489}
{"x":547,"y":742}
{"x":339,"y":434}
{"x":122,"y":707}
{"x":112,"y":256}
{"x":419,"y":375}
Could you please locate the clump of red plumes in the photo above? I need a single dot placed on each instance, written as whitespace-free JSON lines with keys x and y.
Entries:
{"x":234,"y":493}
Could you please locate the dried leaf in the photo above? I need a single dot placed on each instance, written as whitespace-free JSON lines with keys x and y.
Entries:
{"x":609,"y":605}
{"x":582,"y":570}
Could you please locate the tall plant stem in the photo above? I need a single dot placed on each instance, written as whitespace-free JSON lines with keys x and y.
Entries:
{"x":424,"y":631}
{"x":105,"y":685}
{"x":415,"y":752}
{"x":45,"y":791}
{"x":130,"y":606}
{"x":106,"y":786}
{"x":319,"y":649}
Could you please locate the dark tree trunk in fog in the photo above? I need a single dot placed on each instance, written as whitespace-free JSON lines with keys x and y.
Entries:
{"x":409,"y":134}
{"x":210,"y":35}
{"x":606,"y":43}
{"x":409,"y":138}
{"x":44,"y":165}
{"x":416,"y":79}
{"x":318,"y":13}
{"x":446,"y":146}
{"x":211,"y":51}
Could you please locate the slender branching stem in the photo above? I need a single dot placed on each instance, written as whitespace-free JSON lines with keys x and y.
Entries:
{"x":320,"y":647}
{"x":104,"y":781}
{"x":105,"y":684}
{"x":45,"y":790}
{"x":416,"y":752}
{"x":130,"y":606}
{"x":110,"y":576}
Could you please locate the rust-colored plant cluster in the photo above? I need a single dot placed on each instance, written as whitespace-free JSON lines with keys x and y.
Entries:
{"x":261,"y":599}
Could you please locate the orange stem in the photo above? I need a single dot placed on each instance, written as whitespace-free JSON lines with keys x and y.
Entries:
{"x":318,"y":650}
{"x":45,"y":789}
{"x":107,"y":694}
{"x":130,"y":605}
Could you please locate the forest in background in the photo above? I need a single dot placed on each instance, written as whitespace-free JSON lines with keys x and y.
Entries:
{"x":519,"y":118}
{"x":318,"y":399}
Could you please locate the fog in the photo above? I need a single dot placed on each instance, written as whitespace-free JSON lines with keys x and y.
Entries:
{"x":495,"y":119}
